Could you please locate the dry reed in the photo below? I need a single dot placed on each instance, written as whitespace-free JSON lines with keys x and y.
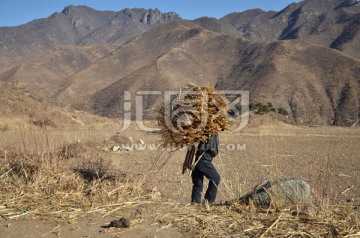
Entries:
{"x":39,"y":186}
{"x":237,"y":220}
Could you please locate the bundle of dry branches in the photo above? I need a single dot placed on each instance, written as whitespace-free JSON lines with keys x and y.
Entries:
{"x":192,"y":115}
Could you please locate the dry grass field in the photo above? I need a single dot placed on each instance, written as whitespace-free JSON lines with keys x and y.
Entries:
{"x":59,"y":183}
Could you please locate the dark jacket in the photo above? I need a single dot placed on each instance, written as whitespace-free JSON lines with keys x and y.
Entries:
{"x":208,"y":149}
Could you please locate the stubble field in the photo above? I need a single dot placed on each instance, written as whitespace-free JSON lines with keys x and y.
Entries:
{"x":155,"y":195}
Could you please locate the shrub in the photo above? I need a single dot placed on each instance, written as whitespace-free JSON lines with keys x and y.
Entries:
{"x":45,"y":122}
{"x":282,"y":111}
{"x":260,"y":108}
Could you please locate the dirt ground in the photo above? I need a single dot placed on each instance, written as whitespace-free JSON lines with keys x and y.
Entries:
{"x":327,"y":158}
{"x":86,"y":227}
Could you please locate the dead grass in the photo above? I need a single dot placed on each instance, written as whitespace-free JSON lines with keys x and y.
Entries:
{"x":243,"y":221}
{"x":324,"y":157}
{"x":51,"y":174}
{"x":55,"y":188}
{"x":76,"y":180}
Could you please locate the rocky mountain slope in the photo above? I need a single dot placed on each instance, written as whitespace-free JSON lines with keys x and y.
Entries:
{"x":316,"y":85}
{"x":77,"y":25}
{"x":289,"y":74}
{"x":51,"y":68}
{"x":330,"y":23}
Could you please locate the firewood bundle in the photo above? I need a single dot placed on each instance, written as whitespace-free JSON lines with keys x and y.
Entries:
{"x":191,"y":115}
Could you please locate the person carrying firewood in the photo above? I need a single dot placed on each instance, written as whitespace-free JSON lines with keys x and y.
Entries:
{"x":193,"y":118}
{"x":206,"y":151}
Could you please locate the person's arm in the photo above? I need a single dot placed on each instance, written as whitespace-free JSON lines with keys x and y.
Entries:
{"x":213,"y":147}
{"x":210,"y":146}
{"x":202,"y":147}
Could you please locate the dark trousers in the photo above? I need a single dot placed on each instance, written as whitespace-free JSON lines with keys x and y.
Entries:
{"x":207,"y":169}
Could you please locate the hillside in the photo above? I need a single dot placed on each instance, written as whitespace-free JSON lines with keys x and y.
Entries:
{"x":333,"y":23}
{"x":130,"y":57}
{"x":51,"y":68}
{"x":76,"y":25}
{"x":313,"y":90}
{"x":21,"y":108}
{"x":215,"y":25}
{"x":316,"y":85}
{"x":196,"y":60}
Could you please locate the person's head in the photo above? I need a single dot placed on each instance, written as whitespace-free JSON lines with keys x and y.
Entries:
{"x":219,"y":128}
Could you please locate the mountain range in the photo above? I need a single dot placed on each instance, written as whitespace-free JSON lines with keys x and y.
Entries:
{"x":305,"y":58}
{"x":330,"y":23}
{"x":76,"y":25}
